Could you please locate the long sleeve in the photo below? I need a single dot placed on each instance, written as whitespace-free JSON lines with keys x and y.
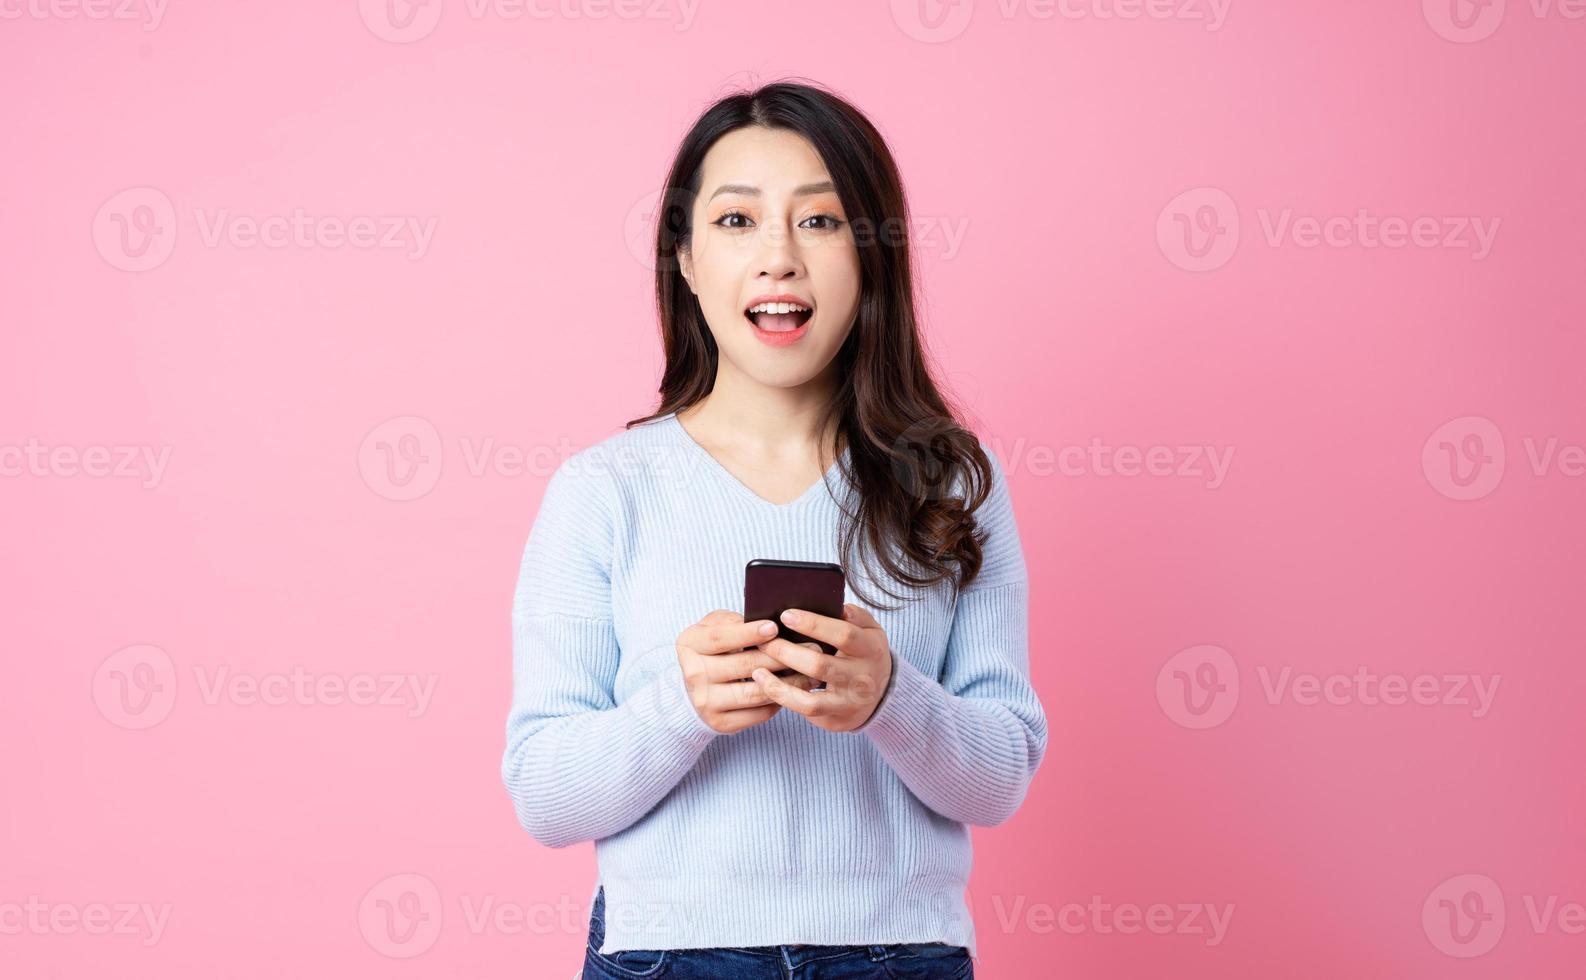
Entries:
{"x":968,"y":744}
{"x":577,"y":765}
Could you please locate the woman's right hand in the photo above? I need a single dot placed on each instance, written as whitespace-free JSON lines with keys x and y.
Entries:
{"x":718,"y":671}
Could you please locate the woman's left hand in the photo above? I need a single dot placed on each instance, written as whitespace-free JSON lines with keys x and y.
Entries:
{"x":855,"y":677}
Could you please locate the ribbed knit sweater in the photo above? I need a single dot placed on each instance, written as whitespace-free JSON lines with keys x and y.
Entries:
{"x":782,"y":833}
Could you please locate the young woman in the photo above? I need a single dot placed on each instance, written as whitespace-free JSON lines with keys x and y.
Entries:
{"x":747,"y":824}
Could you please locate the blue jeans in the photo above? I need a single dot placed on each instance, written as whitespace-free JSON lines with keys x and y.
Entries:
{"x":916,"y":961}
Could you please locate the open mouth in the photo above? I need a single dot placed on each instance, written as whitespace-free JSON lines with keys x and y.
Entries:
{"x":778,"y":317}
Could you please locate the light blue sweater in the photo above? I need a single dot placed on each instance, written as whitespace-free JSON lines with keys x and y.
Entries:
{"x":783,"y":832}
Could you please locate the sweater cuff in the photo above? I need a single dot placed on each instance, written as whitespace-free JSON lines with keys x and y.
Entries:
{"x":667,"y":703}
{"x":903,"y":719}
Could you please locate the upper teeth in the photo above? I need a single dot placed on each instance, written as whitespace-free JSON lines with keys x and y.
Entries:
{"x":778,"y":308}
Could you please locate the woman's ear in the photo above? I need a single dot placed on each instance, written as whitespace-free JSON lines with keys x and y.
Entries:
{"x":685,"y":265}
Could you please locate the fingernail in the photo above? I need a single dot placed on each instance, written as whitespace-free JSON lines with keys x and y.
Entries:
{"x":767,"y":629}
{"x":791,"y":617}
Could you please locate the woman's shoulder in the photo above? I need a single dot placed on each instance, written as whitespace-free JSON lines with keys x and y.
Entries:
{"x":616,"y":464}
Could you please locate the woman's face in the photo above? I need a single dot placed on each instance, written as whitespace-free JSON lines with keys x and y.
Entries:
{"x":768,"y":223}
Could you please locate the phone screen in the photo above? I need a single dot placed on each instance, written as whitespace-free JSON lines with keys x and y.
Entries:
{"x":771,"y":586}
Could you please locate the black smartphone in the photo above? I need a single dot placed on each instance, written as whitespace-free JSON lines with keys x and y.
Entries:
{"x":772,"y":585}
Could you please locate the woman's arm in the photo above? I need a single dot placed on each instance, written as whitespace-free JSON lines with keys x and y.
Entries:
{"x":577,"y":765}
{"x":969,"y":744}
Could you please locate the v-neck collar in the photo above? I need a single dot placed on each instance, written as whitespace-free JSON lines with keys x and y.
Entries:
{"x":833,"y":475}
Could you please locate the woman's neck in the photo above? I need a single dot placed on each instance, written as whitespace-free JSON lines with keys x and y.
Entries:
{"x":767,"y":424}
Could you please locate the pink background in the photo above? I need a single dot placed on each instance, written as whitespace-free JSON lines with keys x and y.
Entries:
{"x":1070,"y":153}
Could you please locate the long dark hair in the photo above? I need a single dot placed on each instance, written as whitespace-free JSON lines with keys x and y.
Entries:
{"x":919,"y":474}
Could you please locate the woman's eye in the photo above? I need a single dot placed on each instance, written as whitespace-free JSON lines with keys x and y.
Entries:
{"x":831,"y":221}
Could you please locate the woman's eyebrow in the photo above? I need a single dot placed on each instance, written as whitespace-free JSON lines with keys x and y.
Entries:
{"x":823,"y":187}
